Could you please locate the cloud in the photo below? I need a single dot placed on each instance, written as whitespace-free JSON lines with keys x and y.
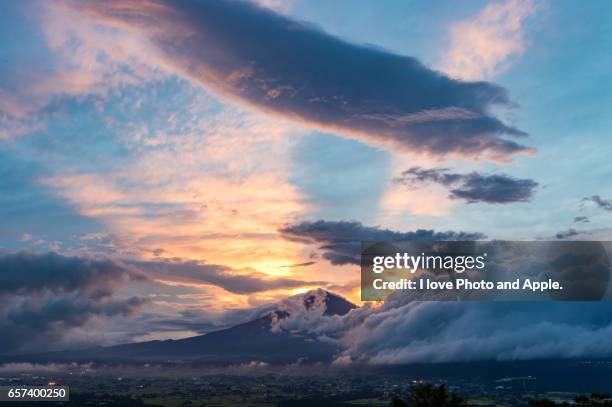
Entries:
{"x":605,"y":204}
{"x":341,"y":241}
{"x":43,"y":297}
{"x":233,"y":48}
{"x":402,"y":331}
{"x":570,"y":233}
{"x":245,"y":281}
{"x":482,"y":46}
{"x":296,"y":265}
{"x":217,"y":189}
{"x":26,"y":273}
{"x":69,"y":58}
{"x":473,"y":187}
{"x":41,"y":368}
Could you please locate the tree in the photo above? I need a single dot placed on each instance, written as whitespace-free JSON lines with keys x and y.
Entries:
{"x":542,"y":403}
{"x":428,"y":395}
{"x":398,"y":402}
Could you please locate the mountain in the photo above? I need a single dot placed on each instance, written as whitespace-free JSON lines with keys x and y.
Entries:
{"x":264,"y":339}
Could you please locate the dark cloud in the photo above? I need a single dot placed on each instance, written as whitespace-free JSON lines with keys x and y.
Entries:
{"x":341,"y":241}
{"x":473,"y":187}
{"x":246,"y":281}
{"x":565,"y":234}
{"x":290,"y":68}
{"x":305,"y":264}
{"x":605,"y":204}
{"x":47,"y":322}
{"x":581,"y":219}
{"x":43,"y":297}
{"x":27,"y":273}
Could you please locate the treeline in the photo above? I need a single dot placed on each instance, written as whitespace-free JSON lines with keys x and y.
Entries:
{"x":428,"y":395}
{"x":594,"y":400}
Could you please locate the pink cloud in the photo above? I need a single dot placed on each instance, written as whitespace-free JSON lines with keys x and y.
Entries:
{"x":483,"y":46}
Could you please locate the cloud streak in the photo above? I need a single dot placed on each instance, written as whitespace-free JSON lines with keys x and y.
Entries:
{"x":367,"y":93}
{"x":473,"y":187}
{"x":605,"y":204}
{"x":581,"y":219}
{"x":566,"y":234}
{"x":246,"y":281}
{"x":340,"y":241}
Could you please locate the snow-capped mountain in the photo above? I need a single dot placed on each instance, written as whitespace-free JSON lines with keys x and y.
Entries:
{"x":316,"y":302}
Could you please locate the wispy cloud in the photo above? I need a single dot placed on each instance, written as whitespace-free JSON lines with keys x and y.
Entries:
{"x":217,"y":188}
{"x":241,"y":281}
{"x":76,"y":59}
{"x":605,"y":204}
{"x":483,"y":46}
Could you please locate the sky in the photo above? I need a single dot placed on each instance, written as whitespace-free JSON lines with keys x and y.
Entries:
{"x":168,"y":169}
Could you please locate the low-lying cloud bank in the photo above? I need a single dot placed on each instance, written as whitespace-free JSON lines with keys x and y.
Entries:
{"x":402,"y":331}
{"x":473,"y":187}
{"x":340,"y":241}
{"x":233,"y":48}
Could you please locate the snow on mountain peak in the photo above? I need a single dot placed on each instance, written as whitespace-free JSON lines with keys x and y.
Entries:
{"x":301,"y":310}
